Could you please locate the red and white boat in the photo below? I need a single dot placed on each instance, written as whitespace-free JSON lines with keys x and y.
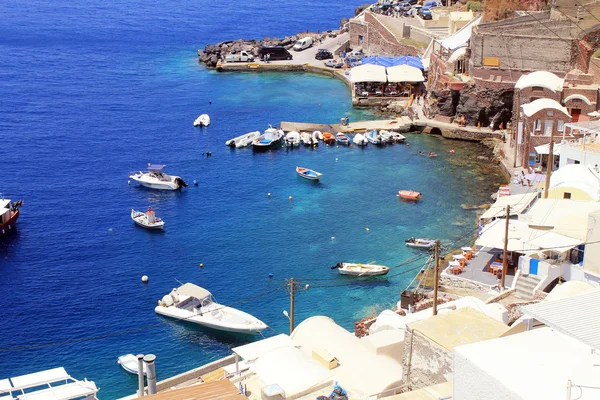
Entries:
{"x":409,"y":195}
{"x":9,"y":213}
{"x":328,"y":138}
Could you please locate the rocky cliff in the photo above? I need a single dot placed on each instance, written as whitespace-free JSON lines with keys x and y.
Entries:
{"x":488,"y":107}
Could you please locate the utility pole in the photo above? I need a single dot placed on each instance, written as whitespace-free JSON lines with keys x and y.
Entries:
{"x":436,"y":276}
{"x":504,"y":260}
{"x":292,"y":293}
{"x":516,"y":125}
{"x":550,"y":162}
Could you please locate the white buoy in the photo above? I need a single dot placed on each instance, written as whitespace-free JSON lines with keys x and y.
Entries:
{"x":145,"y":278}
{"x":336,"y":159}
{"x":268,"y":194}
{"x":333,"y":238}
{"x":290,"y":197}
{"x":306,"y":287}
{"x":367,"y":229}
{"x":110,"y":229}
{"x":129,"y":182}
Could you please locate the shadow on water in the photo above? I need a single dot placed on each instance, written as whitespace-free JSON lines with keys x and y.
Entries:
{"x":194,"y":333}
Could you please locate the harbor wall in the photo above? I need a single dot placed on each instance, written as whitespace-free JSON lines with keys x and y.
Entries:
{"x":194,"y":374}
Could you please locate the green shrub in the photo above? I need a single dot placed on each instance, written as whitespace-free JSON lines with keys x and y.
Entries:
{"x":596,"y":54}
{"x":474,"y":6}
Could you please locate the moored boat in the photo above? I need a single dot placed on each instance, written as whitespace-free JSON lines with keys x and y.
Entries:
{"x":354,"y":269}
{"x":373,"y":137}
{"x":270,"y":139}
{"x":292,"y":139}
{"x":342,"y":139}
{"x":155,"y":178}
{"x":398,"y":137}
{"x":202,"y":120}
{"x":192,"y":303}
{"x":9,"y":213}
{"x":409,"y":194}
{"x":317,"y":135}
{"x":360,"y":140}
{"x":420,"y":243}
{"x":129,"y":363}
{"x":243,"y":140}
{"x":386,"y":136}
{"x":147,"y":220}
{"x":307,"y":139}
{"x":53,"y":383}
{"x":328,"y":138}
{"x":309,"y":174}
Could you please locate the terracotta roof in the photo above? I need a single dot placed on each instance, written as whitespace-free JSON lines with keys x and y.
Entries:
{"x":219,"y":390}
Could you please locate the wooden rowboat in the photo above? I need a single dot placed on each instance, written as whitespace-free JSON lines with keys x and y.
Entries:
{"x":309,"y":174}
{"x":409,"y":195}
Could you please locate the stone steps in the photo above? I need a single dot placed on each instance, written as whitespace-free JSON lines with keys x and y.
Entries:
{"x":525,"y":286}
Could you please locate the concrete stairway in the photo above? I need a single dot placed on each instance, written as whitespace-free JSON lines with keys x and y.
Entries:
{"x":525,"y":286}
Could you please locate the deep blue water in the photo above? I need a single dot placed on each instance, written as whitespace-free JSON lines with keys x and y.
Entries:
{"x":92,"y":90}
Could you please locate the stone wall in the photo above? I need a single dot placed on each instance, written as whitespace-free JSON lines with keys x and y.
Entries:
{"x":377,"y":38}
{"x":594,"y":70}
{"x":429,"y":362}
{"x":590,"y":41}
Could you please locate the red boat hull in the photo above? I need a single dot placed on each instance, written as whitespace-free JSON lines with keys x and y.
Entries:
{"x":11,"y":222}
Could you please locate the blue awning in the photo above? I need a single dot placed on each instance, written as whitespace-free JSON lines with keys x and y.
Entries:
{"x":412,"y":61}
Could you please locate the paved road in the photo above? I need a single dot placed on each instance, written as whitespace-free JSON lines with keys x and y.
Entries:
{"x":308,"y":56}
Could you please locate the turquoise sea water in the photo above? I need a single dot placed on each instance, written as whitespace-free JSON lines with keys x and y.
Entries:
{"x":93,"y":90}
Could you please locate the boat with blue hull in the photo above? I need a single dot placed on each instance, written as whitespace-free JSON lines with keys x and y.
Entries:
{"x":373,"y":137}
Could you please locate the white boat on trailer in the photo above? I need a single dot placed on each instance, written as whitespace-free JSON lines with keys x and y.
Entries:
{"x":354,"y":269}
{"x":147,"y":220}
{"x":53,"y":383}
{"x":202,"y":120}
{"x":155,"y":178}
{"x":420,"y":243}
{"x":243,"y":140}
{"x":195,"y":304}
{"x":129,"y":363}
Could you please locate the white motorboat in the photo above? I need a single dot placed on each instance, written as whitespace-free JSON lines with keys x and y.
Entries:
{"x":194,"y":304}
{"x":386,"y":136}
{"x":354,"y":269}
{"x":360,"y":140}
{"x":271,"y":138}
{"x":53,"y":383}
{"x":342,"y":139}
{"x":292,"y":139}
{"x":243,"y":140}
{"x":398,"y":137}
{"x":420,"y":243}
{"x":155,"y":178}
{"x":129,"y":363}
{"x":308,"y":173}
{"x":147,"y":220}
{"x":317,"y":135}
{"x":373,"y":137}
{"x":202,"y":120}
{"x":307,"y":139}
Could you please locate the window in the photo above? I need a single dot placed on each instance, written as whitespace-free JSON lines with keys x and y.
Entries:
{"x":537,"y":89}
{"x":577,"y":162}
{"x":548,"y":124}
{"x":360,"y":40}
{"x":538,"y":125}
{"x":560,"y":126}
{"x":550,"y":113}
{"x":566,"y":195}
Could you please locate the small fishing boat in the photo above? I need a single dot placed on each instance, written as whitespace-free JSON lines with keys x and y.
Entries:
{"x":386,"y":136}
{"x":420,"y":243}
{"x":292,"y":139}
{"x":328,"y":138}
{"x":192,"y":303}
{"x":307,"y":139}
{"x":147,"y":220}
{"x":317,"y":135}
{"x":360,"y":140}
{"x":9,"y":213}
{"x":243,"y":140}
{"x":398,"y":137}
{"x":202,"y":120}
{"x":342,"y":139}
{"x":129,"y":363}
{"x":309,"y":174}
{"x":270,"y":139}
{"x":353,"y":269}
{"x":155,"y":178}
{"x":373,"y":137}
{"x":409,"y":194}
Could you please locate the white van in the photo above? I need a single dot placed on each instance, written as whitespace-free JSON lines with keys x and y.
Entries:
{"x":303,"y":43}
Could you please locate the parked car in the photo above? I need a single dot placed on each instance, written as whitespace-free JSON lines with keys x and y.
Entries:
{"x":334,"y":63}
{"x":242,"y":56}
{"x":274,"y":52}
{"x":323,"y":54}
{"x":426,"y":13}
{"x":303,"y":43}
{"x":353,"y":61}
{"x":356,"y":53}
{"x":404,"y":6}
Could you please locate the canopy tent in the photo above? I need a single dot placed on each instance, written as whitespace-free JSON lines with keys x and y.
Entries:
{"x":189,"y":289}
{"x":393,"y":61}
{"x":545,"y":149}
{"x":404,"y":73}
{"x":518,"y":204}
{"x":368,"y":73}
{"x":541,"y":104}
{"x":462,"y":36}
{"x":543,"y":79}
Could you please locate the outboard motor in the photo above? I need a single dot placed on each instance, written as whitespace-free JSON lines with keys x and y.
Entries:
{"x":336,"y":266}
{"x":180,"y":182}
